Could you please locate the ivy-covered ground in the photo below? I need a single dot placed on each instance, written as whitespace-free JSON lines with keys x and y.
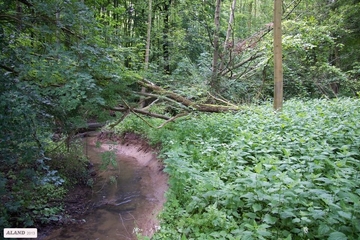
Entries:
{"x":260,"y":175}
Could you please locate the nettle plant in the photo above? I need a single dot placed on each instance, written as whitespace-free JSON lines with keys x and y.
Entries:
{"x":260,"y":175}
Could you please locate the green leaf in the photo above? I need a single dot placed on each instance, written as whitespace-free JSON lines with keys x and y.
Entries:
{"x":258,"y":168}
{"x":323,"y":229}
{"x":251,"y":215}
{"x":269,"y":219}
{"x":345,"y":215}
{"x":264,"y":233}
{"x":289,"y":237}
{"x":287,"y":214}
{"x":337,"y":236}
{"x":256,"y":207}
{"x":247,"y":235}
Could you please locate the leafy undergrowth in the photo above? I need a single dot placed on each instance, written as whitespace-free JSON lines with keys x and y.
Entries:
{"x":260,"y":175}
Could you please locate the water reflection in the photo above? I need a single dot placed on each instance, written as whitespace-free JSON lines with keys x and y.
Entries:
{"x":115,"y":206}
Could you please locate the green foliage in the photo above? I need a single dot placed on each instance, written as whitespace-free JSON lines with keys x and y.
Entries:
{"x":56,"y":70}
{"x":69,"y":162}
{"x":308,"y":72}
{"x":28,"y":205}
{"x":312,"y":64}
{"x":41,"y":207}
{"x":345,"y":15}
{"x":62,"y":61}
{"x":320,"y":53}
{"x":134,"y":124}
{"x":188,"y":78}
{"x":260,"y":175}
{"x":23,"y":163}
{"x":108,"y":158}
{"x":353,"y":84}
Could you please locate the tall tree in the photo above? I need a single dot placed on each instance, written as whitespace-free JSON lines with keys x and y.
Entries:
{"x":230,"y":24}
{"x":166,"y":29}
{"x":214,"y":82}
{"x":229,"y":36}
{"x":148,"y":36}
{"x":278,"y":70}
{"x":147,"y":50}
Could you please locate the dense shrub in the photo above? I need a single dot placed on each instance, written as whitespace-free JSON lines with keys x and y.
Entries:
{"x":260,"y":175}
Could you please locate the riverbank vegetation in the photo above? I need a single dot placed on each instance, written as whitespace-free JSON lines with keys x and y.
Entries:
{"x":67,"y":67}
{"x":262,"y":175}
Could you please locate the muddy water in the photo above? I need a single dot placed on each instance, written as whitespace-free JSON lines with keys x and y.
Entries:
{"x":124,"y":199}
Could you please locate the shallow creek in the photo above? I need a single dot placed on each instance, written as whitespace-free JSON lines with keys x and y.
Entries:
{"x":128,"y":202}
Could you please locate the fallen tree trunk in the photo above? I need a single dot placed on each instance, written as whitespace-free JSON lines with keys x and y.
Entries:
{"x":184,"y":105}
{"x":186,"y":102}
{"x":90,"y":127}
{"x":140,"y":111}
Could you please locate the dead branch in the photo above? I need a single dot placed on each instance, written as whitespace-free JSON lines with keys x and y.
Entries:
{"x":151,"y":104}
{"x":9,"y":69}
{"x":215,"y":108}
{"x":174,"y":98}
{"x":222,"y":100}
{"x":161,"y":97}
{"x":140,"y":111}
{"x":131,"y":109}
{"x":173,"y":119}
{"x":252,"y":57}
{"x":186,"y":102}
{"x":164,"y":92}
{"x":120,"y":119}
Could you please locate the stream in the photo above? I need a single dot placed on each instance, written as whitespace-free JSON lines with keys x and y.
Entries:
{"x":124,"y":200}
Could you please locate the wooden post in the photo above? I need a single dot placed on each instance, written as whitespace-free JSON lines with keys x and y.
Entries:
{"x":278,"y":69}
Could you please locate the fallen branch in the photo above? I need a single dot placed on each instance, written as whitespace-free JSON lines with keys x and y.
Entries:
{"x":252,"y":57}
{"x":161,"y":97}
{"x":160,"y":93}
{"x":136,"y":111}
{"x":120,"y":119}
{"x":192,"y":106}
{"x":140,"y":111}
{"x":130,"y":109}
{"x":222,"y":100}
{"x":173,"y":119}
{"x":89,"y":127}
{"x":164,"y":92}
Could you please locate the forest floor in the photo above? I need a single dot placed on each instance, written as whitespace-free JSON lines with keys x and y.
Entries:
{"x":154,"y":184}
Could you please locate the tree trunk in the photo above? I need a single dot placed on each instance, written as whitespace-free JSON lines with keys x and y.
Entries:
{"x":166,"y":37}
{"x":147,"y":50}
{"x":278,"y":70}
{"x":227,"y":42}
{"x":230,"y":25}
{"x":57,"y":16}
{"x":19,"y":11}
{"x":148,"y":37}
{"x":214,"y":83}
